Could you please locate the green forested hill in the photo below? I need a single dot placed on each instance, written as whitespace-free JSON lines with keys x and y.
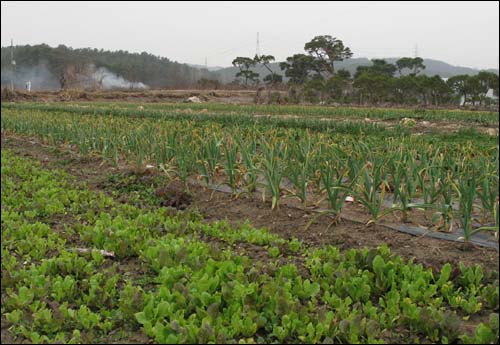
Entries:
{"x":62,"y":66}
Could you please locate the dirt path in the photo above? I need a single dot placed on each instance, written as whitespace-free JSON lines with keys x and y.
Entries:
{"x":286,"y":221}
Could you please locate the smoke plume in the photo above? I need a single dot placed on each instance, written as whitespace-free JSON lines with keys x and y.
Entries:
{"x":109,"y":80}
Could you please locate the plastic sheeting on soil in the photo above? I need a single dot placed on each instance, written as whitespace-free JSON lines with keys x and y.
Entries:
{"x":480,"y":239}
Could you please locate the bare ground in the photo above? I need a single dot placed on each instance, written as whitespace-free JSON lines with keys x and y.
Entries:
{"x":286,"y":221}
{"x":147,"y":96}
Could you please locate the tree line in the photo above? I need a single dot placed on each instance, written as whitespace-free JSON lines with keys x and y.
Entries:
{"x":312,"y":77}
{"x":66,"y":65}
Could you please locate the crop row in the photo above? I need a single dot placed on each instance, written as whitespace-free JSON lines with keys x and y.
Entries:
{"x":454,"y":180}
{"x":177,"y":288}
{"x":302,"y":111}
{"x":224,"y":119}
{"x":231,"y":116}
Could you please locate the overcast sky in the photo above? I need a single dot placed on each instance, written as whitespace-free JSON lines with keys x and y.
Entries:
{"x":460,"y":33}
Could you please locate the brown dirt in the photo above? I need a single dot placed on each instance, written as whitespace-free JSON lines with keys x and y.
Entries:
{"x":6,"y":336}
{"x":226,"y":95}
{"x":150,"y":96}
{"x":286,"y":221}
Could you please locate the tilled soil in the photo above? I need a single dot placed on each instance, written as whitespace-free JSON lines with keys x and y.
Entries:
{"x":286,"y":221}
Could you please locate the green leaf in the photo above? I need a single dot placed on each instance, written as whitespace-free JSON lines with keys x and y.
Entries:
{"x":142,"y":318}
{"x":445,"y":274}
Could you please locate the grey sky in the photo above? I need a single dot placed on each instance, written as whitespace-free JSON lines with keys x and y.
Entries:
{"x":461,"y":33}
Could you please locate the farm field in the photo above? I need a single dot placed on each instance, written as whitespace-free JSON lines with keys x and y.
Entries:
{"x":183,"y":223}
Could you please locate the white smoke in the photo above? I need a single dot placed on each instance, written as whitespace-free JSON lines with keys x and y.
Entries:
{"x":89,"y":77}
{"x":109,"y":80}
{"x":40,"y":76}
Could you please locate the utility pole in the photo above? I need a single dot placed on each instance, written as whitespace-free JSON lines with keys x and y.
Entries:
{"x":416,"y":50}
{"x":206,"y":64}
{"x":12,"y":65}
{"x":257,"y":48}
